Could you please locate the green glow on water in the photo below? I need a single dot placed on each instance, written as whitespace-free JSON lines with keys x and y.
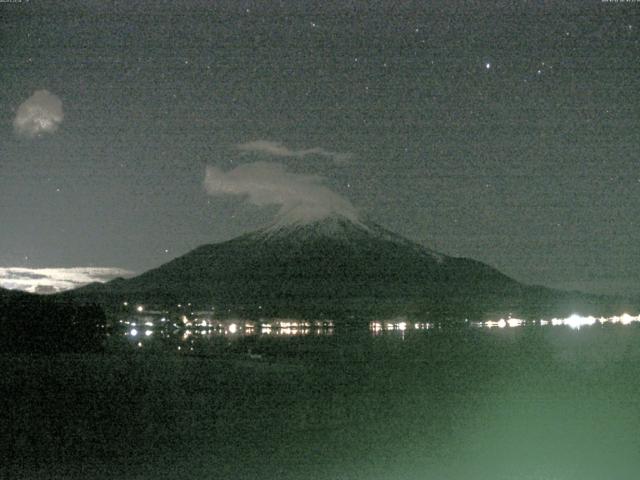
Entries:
{"x":544,"y":403}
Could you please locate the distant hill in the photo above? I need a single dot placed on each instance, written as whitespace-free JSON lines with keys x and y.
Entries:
{"x":43,"y":324}
{"x":334,"y":267}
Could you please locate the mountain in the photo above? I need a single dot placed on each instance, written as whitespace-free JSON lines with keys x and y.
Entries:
{"x":334,"y":266}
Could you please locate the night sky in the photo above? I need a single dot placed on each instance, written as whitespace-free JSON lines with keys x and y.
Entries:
{"x":508,"y":132}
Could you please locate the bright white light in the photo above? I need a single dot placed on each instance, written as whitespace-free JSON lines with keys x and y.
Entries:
{"x":133,"y":332}
{"x":140,"y":308}
{"x":402,"y":326}
{"x":148,"y":333}
{"x":515,"y":322}
{"x":487,"y":65}
{"x":626,"y":319}
{"x":233,"y":328}
{"x":576,"y":321}
{"x":148,"y":324}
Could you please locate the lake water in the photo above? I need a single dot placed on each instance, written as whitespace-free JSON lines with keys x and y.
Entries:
{"x":550,"y":401}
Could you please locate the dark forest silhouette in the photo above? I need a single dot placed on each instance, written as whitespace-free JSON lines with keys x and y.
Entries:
{"x":40,"y":324}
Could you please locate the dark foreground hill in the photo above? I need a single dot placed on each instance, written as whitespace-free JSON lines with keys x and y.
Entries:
{"x":43,"y":324}
{"x":334,"y":267}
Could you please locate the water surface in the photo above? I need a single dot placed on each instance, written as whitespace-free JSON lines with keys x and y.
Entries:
{"x":534,"y":402}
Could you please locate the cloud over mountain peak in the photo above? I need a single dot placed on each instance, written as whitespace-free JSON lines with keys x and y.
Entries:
{"x":302,"y":198}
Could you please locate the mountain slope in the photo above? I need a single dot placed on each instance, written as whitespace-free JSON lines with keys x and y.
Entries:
{"x":333,"y":266}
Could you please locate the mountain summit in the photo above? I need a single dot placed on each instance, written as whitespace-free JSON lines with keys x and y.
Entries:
{"x":336,"y":228}
{"x":333,"y":266}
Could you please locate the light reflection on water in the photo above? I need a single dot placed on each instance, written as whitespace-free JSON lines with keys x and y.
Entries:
{"x":574,"y":321}
{"x":401,"y":325}
{"x":186,"y":331}
{"x":397,"y":325}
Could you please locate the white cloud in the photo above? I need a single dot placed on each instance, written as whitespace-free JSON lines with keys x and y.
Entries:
{"x":302,"y":198}
{"x":40,"y":113}
{"x":50,"y":280}
{"x":277,"y":149}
